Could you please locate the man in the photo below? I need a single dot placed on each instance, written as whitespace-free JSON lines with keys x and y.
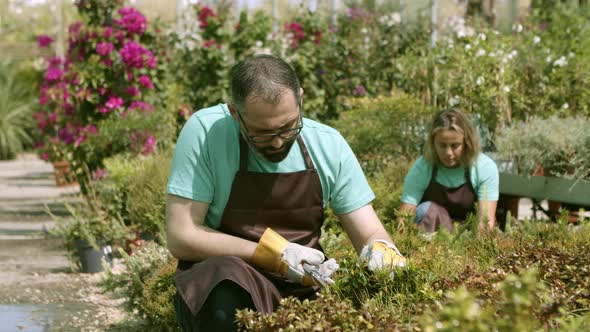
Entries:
{"x":246,"y":193}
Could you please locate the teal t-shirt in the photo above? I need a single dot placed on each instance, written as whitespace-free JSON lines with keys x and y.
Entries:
{"x":484,"y":178}
{"x":207,"y":157}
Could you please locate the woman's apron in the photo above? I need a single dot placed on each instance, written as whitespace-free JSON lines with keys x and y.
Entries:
{"x":448,"y":204}
{"x":290,"y":203}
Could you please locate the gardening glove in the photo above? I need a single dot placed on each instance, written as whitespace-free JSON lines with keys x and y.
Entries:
{"x":321,"y":276}
{"x":380,"y":254}
{"x":277,"y":255}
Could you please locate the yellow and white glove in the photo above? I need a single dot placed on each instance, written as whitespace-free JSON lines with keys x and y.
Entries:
{"x":380,"y":254}
{"x":277,"y":255}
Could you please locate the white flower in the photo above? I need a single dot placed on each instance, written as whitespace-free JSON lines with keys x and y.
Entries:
{"x":480,"y":52}
{"x":570,"y":55}
{"x":364,"y":31}
{"x":562,"y":61}
{"x":501,"y":70}
{"x":396,"y":18}
{"x":492,"y":54}
{"x":517,"y":28}
{"x":468,"y":47}
{"x":482,"y":36}
{"x":454,"y":100}
{"x":548,"y":59}
{"x":259,"y":44}
{"x":536,"y":40}
{"x":480,"y":80}
{"x":506,"y":88}
{"x":565,"y":106}
{"x":40,"y":64}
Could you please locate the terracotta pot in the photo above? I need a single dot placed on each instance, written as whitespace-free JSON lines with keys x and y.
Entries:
{"x":63,"y":174}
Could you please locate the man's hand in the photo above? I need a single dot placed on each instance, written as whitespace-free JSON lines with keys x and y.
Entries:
{"x":380,"y":254}
{"x":275,"y":254}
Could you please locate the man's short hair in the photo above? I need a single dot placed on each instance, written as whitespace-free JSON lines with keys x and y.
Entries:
{"x":262,"y":76}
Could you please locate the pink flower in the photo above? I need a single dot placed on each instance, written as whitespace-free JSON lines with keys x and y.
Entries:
{"x":53,"y":117}
{"x":209,"y":43}
{"x":204,"y":15}
{"x":104,"y":48}
{"x":103,"y":110}
{"x":136,"y":56}
{"x":132,"y":91}
{"x":53,"y":74}
{"x":91,"y":129}
{"x":114,"y":102}
{"x":44,"y":41}
{"x":99,"y":173}
{"x":108,"y":31}
{"x":142,"y":105}
{"x":80,"y":140}
{"x":55,"y":61}
{"x":149,"y":146}
{"x":146,"y":82}
{"x":45,"y":156}
{"x":132,"y":21}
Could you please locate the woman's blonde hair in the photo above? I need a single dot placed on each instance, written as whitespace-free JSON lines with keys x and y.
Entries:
{"x":455,"y":120}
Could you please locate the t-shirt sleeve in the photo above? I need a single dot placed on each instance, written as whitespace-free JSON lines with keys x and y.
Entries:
{"x":488,"y":180}
{"x":190,"y":174}
{"x":416,"y":182}
{"x":351,"y":190}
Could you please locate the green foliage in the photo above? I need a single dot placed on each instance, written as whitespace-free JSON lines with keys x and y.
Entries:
{"x":380,"y":130}
{"x":327,"y":313}
{"x":559,"y":145}
{"x":205,"y":52}
{"x":158,"y":295}
{"x":138,"y":269}
{"x":16,"y":109}
{"x":520,"y":296}
{"x":87,"y":222}
{"x":136,"y":189}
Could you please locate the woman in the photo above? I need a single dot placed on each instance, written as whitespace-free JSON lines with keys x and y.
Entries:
{"x":452,"y":178}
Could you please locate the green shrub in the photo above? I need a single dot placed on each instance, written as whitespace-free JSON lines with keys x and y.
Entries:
{"x":135,"y":188}
{"x":559,"y":145}
{"x":88,"y":222}
{"x":383,"y":129}
{"x":16,"y":110}
{"x":130,"y":282}
{"x":158,"y":296}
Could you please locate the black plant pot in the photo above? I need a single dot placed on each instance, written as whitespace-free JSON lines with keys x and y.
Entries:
{"x":91,"y":258}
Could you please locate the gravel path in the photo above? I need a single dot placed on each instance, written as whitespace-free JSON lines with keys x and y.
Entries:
{"x":38,"y":291}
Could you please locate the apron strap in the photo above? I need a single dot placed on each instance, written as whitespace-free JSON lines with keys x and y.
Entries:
{"x":434,"y":173}
{"x":243,"y":155}
{"x":304,"y":152}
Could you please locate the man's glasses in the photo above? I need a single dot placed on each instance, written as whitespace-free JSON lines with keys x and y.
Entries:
{"x":265,"y":138}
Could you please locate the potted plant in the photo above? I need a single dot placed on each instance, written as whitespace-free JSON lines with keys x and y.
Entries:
{"x":552,"y":147}
{"x":89,"y":235}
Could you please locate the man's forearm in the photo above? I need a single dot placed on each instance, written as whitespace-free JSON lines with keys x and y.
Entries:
{"x":201,"y":242}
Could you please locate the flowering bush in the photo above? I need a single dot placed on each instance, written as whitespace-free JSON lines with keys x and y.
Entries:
{"x":104,"y":97}
{"x":206,"y":52}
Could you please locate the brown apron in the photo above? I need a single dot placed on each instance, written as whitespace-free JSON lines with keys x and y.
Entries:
{"x":290,"y":203}
{"x":448,"y":204}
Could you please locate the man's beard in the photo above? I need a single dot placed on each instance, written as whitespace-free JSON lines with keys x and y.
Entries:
{"x":270,"y":154}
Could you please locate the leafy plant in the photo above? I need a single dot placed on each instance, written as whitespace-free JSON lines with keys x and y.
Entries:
{"x":16,"y":105}
{"x":139,"y":268}
{"x":559,"y":145}
{"x":87,"y":223}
